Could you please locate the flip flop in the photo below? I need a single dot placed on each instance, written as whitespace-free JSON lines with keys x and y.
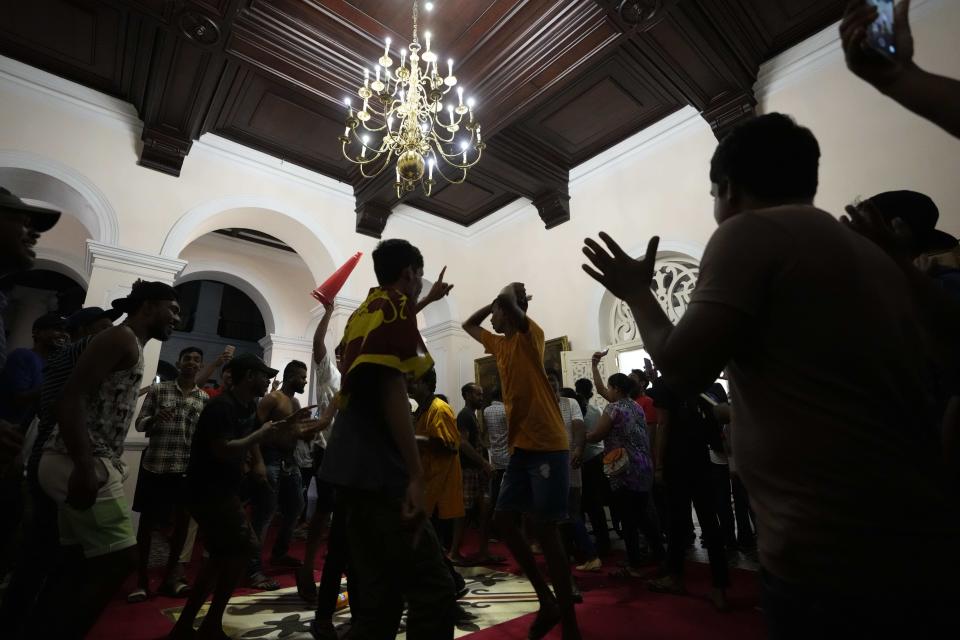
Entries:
{"x":137,"y":595}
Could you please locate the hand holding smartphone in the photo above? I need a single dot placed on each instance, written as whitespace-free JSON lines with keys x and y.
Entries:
{"x":880,"y":35}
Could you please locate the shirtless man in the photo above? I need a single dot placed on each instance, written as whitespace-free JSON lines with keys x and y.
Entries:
{"x":283,"y":474}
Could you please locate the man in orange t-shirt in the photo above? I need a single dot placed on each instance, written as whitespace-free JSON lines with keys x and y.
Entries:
{"x":438,"y":440}
{"x":537,"y":478}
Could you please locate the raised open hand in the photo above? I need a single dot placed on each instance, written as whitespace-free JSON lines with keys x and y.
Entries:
{"x":877,"y":69}
{"x":620,"y":274}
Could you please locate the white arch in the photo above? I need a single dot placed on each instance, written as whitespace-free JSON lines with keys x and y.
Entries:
{"x":321,"y":256}
{"x":98,"y":216}
{"x":63,"y":263}
{"x":244,"y":280}
{"x":601,"y":298}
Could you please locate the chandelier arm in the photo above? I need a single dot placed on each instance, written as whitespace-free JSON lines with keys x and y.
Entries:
{"x":438,"y":166}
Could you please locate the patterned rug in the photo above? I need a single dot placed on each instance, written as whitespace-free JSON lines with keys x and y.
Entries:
{"x":493,"y":597}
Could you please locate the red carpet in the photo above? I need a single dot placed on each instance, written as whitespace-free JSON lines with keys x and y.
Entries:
{"x":613,"y":609}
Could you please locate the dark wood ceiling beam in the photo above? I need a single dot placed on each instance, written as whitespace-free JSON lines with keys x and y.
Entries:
{"x":185,"y":71}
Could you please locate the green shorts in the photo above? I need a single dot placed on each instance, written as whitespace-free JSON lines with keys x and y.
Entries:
{"x":103,"y":528}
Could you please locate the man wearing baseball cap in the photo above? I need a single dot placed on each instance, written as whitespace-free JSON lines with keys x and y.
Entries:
{"x":20,"y":226}
{"x":81,"y":466}
{"x":227,"y":429}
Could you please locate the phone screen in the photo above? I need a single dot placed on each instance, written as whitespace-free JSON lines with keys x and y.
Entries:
{"x":880,"y":34}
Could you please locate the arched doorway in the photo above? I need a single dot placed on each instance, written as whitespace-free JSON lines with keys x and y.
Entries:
{"x":213,"y":315}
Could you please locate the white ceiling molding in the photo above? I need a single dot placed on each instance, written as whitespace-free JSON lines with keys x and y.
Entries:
{"x":17,"y":76}
{"x":271,"y":165}
{"x":137,"y":263}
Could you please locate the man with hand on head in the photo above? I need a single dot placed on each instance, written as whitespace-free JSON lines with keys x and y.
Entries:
{"x":537,"y":478}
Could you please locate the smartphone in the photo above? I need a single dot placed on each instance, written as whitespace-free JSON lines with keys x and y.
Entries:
{"x":880,"y":35}
{"x":229,"y":349}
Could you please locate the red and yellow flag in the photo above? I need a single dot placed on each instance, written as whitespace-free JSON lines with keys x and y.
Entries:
{"x":383,"y":331}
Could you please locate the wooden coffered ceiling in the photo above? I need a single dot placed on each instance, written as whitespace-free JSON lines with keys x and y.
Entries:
{"x":556,"y":81}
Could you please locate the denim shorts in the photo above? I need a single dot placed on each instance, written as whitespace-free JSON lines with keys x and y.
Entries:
{"x":536,"y":483}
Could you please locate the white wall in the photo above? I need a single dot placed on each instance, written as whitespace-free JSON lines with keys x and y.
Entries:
{"x":654,"y":183}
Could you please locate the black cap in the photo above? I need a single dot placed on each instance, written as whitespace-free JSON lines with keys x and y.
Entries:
{"x":142,"y":291}
{"x":49,"y":321}
{"x":244,"y":362}
{"x":937,"y":241}
{"x":41,"y":218}
{"x":917,"y":210}
{"x":89,"y":315}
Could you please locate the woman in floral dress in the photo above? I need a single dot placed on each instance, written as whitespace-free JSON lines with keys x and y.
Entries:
{"x":623,"y":430}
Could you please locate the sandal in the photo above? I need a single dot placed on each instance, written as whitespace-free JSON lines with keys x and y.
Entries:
{"x":590,"y":565}
{"x":137,"y":595}
{"x":262,"y":582}
{"x":178,"y":589}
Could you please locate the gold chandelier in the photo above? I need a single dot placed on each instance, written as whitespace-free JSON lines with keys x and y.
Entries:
{"x":405,"y":111}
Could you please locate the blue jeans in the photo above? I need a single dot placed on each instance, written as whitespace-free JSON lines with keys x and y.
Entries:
{"x":536,"y":483}
{"x":286,"y":493}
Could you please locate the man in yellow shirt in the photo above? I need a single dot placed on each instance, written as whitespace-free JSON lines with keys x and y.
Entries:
{"x":439,"y":442}
{"x":537,"y":478}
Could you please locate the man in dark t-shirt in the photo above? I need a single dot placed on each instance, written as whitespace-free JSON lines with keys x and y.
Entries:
{"x":226,"y":430}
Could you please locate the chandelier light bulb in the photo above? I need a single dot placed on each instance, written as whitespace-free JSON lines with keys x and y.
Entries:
{"x":471,"y":102}
{"x":428,"y":6}
{"x":449,"y":66}
{"x":426,"y":34}
{"x":460,"y":94}
{"x":430,"y":164}
{"x":386,"y":49}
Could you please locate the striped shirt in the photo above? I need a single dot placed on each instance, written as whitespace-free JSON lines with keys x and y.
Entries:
{"x":170,"y":441}
{"x":495,"y":420}
{"x":54,"y":378}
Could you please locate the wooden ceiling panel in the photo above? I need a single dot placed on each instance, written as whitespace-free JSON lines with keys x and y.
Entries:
{"x":285,"y":122}
{"x":787,"y":21}
{"x":556,"y":81}
{"x":613,"y":101}
{"x":80,"y":39}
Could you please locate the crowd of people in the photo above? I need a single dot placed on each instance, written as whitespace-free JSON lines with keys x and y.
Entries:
{"x":834,"y":452}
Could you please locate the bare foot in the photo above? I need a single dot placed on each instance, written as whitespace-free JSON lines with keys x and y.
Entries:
{"x":547,"y":618}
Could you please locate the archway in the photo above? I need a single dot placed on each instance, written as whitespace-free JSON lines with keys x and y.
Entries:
{"x":35,"y":177}
{"x":300,"y":229}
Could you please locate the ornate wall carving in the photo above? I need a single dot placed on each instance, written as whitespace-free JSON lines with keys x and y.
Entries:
{"x":673,"y":284}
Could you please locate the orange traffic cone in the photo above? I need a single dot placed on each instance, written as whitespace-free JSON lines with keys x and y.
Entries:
{"x":327,"y":292}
